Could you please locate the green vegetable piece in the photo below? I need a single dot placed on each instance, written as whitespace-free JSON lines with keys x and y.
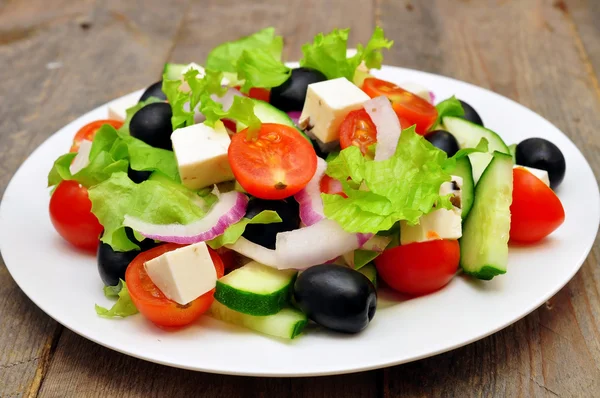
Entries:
{"x":124,"y":306}
{"x":233,"y":233}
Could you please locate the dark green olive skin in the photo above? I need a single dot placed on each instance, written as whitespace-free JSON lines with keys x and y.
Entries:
{"x":290,"y":95}
{"x":266,"y":234}
{"x":471,"y":114}
{"x":154,"y":90}
{"x":152,"y":124}
{"x":443,"y":140}
{"x":336,"y":297}
{"x":544,"y":155}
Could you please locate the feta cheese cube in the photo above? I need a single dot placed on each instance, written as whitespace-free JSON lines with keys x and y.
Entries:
{"x":439,"y":224}
{"x":82,"y":159}
{"x":454,"y":187}
{"x":327,"y":104}
{"x":117,"y":109}
{"x":184,"y":274}
{"x":417,"y":89}
{"x":541,"y":174}
{"x":201,"y":153}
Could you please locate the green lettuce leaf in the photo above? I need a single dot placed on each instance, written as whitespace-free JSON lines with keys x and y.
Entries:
{"x":448,"y":107}
{"x":131,"y":111}
{"x":403,"y":187}
{"x":225,"y":57}
{"x":327,"y":53}
{"x":258,"y":68}
{"x":364,"y":257}
{"x":113,"y":291}
{"x":99,"y":169}
{"x":241,"y":110}
{"x":124,"y":306}
{"x":233,"y":233}
{"x":151,"y":201}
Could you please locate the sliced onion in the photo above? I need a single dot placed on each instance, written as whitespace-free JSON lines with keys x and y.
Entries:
{"x":255,"y":252}
{"x":82,"y":159}
{"x":309,"y":199}
{"x":388,"y":126}
{"x":295,"y":116}
{"x":376,"y":243}
{"x":431,"y":97}
{"x":230,"y":209}
{"x":227,"y":99}
{"x":317,"y":244}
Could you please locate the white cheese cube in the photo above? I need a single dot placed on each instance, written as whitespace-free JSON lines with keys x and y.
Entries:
{"x":541,"y":174}
{"x":327,"y":104}
{"x":82,"y":159}
{"x":117,"y":109}
{"x":439,"y":224}
{"x":417,"y":89}
{"x":201,"y":153}
{"x":184,"y":274}
{"x":454,"y":187}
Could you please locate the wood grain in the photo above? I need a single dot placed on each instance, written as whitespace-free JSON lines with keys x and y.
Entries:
{"x":527,"y":51}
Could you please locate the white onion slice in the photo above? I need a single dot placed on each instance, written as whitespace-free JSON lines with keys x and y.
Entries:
{"x":227,"y":99}
{"x":255,"y":252}
{"x":82,"y":159}
{"x":230,"y":209}
{"x":388,"y":126}
{"x":309,"y":198}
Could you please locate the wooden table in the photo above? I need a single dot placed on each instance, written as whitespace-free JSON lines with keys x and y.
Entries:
{"x":61,"y":58}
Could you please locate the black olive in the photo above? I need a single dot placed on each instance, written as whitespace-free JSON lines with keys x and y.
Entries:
{"x":443,"y":140}
{"x":155,"y":90}
{"x":291,"y":94}
{"x":336,"y":297}
{"x":265,"y":234}
{"x":138,"y":176}
{"x":320,"y":153}
{"x":544,"y":155}
{"x":144,"y":244}
{"x":152,"y":124}
{"x":471,"y":114}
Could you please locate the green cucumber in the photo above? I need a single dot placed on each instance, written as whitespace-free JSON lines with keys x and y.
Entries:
{"x":174,"y":71}
{"x":484,"y":244}
{"x":267,"y":113}
{"x":370,"y":272}
{"x":464,"y":170}
{"x":287,"y":323}
{"x":256,"y":289}
{"x":469,"y":135}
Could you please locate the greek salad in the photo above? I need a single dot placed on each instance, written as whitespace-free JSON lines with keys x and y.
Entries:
{"x":268,"y":196}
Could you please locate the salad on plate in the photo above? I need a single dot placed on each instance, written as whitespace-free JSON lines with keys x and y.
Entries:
{"x":268,"y":196}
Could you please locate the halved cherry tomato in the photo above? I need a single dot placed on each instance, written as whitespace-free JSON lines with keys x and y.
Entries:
{"x":536,"y":211}
{"x":88,"y":131}
{"x":278,"y":163}
{"x":71,"y":215}
{"x":358,"y":129}
{"x":406,"y":104}
{"x":331,"y":186}
{"x":419,"y":268}
{"x":258,"y":93}
{"x":153,"y":304}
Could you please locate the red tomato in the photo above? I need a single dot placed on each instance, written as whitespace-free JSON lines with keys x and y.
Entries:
{"x":71,"y":215}
{"x":275,"y":165}
{"x":153,"y":304}
{"x":358,"y":129}
{"x":419,"y":268}
{"x":258,"y":93}
{"x":536,"y":211}
{"x":406,"y":104}
{"x":88,"y":131}
{"x":331,"y":186}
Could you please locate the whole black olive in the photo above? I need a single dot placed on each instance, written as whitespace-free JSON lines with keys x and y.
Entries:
{"x":155,"y":90}
{"x":112,"y":265}
{"x":544,"y":155}
{"x":152,"y":124}
{"x":336,"y":297}
{"x":443,"y":140}
{"x":290,"y":95}
{"x":265,"y":234}
{"x":471,"y":114}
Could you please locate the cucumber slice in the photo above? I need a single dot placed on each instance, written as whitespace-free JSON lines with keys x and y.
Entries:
{"x":370,"y":272}
{"x":256,"y":289}
{"x":468,"y":135}
{"x":267,"y":113}
{"x":464,"y":170}
{"x":287,"y":323}
{"x":484,"y":244}
{"x":174,"y":71}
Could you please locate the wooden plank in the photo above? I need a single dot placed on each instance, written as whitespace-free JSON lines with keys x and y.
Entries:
{"x":58,"y":62}
{"x":527,"y":51}
{"x":83,"y":368}
{"x":583,"y":17}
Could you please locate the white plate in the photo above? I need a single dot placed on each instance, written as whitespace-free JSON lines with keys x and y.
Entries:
{"x":64,"y":283}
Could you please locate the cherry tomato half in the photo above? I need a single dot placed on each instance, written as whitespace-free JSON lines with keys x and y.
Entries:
{"x":263,"y":94}
{"x":358,"y":129}
{"x":406,"y":104}
{"x":278,"y":163}
{"x":71,"y":215}
{"x":419,"y":268}
{"x":88,"y":131}
{"x":536,"y":211}
{"x":153,"y":304}
{"x":331,"y":186}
